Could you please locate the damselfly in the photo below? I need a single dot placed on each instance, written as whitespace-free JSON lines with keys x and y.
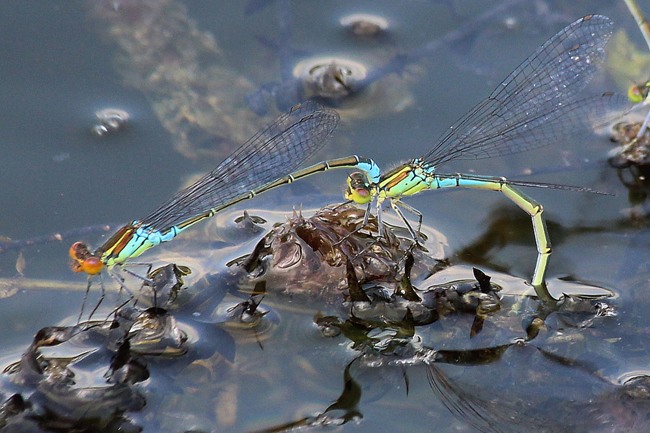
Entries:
{"x":534,"y":106}
{"x":259,"y":165}
{"x":640,"y":93}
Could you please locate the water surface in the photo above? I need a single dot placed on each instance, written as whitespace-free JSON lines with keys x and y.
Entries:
{"x":59,"y":67}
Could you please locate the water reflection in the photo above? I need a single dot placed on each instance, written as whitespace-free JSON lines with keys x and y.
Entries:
{"x":388,"y":326}
{"x":182,"y":71}
{"x":388,"y":316}
{"x":380,"y":84}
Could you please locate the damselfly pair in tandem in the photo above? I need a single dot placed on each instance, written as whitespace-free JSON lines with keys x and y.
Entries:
{"x":261,"y":164}
{"x":536,"y":105}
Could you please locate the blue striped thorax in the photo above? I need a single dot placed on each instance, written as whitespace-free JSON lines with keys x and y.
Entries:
{"x":131,"y":241}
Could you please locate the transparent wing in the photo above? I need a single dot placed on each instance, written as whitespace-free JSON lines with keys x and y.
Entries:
{"x":274,"y":152}
{"x":536,"y":105}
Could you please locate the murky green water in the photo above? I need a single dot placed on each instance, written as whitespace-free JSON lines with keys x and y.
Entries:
{"x":63,"y":62}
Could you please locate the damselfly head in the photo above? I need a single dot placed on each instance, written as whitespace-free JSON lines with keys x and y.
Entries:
{"x":638,"y":92}
{"x":92,"y":265}
{"x":83,"y":260}
{"x":358,"y":189}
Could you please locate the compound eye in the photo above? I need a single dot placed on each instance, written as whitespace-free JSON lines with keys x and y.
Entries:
{"x":359,"y":195}
{"x":92,"y":265}
{"x":637,"y":94}
{"x":78,"y":251}
{"x":358,"y":190}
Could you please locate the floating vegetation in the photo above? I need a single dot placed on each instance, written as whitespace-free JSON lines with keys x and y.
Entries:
{"x":209,"y":349}
{"x":53,"y":392}
{"x":308,"y":256}
{"x":632,"y":149}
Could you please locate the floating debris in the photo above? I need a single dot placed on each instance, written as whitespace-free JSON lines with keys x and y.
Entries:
{"x":21,"y":264}
{"x":154,"y":332}
{"x":365,"y":26}
{"x":239,"y":229}
{"x":52,"y":393}
{"x":309,"y":256}
{"x":166,"y":283}
{"x":111,"y":121}
{"x":329,"y":77}
{"x":631,"y":149}
{"x":631,"y":158}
